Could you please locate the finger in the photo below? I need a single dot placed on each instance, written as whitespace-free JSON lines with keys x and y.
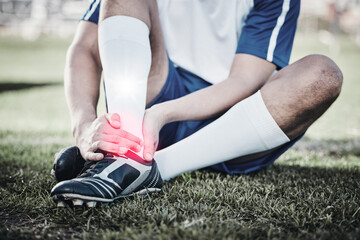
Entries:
{"x":149,"y":149}
{"x":121,"y":141}
{"x":93,"y":156}
{"x":148,"y":154}
{"x":134,"y":143}
{"x":113,"y":119}
{"x":111,"y":147}
{"x":123,"y":134}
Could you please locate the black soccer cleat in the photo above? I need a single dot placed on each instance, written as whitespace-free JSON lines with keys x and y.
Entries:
{"x":109,"y":179}
{"x":68,"y":164}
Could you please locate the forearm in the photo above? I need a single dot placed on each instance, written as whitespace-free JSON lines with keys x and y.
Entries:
{"x":82,"y":78}
{"x":208,"y":102}
{"x":244,"y":80}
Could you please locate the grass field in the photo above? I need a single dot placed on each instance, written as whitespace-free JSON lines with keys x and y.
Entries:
{"x":311,"y":192}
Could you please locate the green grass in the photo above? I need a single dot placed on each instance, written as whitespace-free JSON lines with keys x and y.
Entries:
{"x":311,"y":192}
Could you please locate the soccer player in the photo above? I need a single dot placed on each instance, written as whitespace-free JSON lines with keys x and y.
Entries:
{"x":189,"y":84}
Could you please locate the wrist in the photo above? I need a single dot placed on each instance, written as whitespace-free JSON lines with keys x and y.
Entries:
{"x":80,"y":125}
{"x":162,"y":112}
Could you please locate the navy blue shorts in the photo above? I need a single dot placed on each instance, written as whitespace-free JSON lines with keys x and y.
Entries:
{"x":181,"y":82}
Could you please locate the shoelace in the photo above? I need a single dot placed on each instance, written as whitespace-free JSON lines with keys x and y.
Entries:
{"x":94,"y":166}
{"x":93,"y":169}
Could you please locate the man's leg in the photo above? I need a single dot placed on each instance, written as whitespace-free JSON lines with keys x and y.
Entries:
{"x":299,"y":94}
{"x":294,"y":98}
{"x":126,"y":30}
{"x":302,"y":92}
{"x":146,"y":11}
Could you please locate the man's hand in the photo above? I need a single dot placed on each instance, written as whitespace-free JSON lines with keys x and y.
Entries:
{"x":105,"y":134}
{"x":154,"y":120}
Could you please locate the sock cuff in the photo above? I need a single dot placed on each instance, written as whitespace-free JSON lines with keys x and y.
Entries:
{"x":269,"y":131}
{"x":123,"y":28}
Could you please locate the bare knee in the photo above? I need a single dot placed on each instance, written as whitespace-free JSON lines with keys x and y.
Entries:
{"x":312,"y":84}
{"x":327,"y":79}
{"x":140,"y":9}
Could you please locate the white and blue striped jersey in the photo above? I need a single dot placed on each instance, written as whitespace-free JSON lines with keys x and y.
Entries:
{"x":203,"y":36}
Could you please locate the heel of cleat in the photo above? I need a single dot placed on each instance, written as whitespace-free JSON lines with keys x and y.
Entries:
{"x":53,"y":173}
{"x":68,"y":163}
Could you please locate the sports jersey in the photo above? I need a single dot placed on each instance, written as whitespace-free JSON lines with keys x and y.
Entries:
{"x":203,"y":36}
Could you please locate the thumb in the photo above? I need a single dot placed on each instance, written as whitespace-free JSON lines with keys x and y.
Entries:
{"x":113,"y":119}
{"x":150,"y":144}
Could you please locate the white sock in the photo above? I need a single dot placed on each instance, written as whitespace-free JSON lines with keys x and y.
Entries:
{"x":246,"y":128}
{"x":125,"y":54}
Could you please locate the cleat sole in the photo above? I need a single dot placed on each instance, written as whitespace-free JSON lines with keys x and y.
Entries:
{"x":77,"y":202}
{"x":91,"y":204}
{"x":60,"y":204}
{"x":77,"y":197}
